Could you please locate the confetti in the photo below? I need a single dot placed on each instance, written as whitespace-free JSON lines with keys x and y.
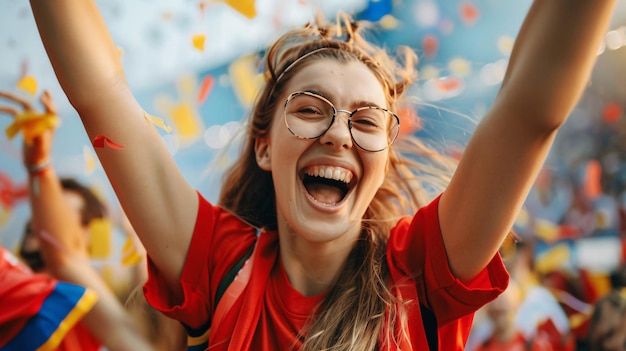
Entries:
{"x":245,"y":7}
{"x":159,"y":122}
{"x":130,"y":254}
{"x":198,"y":41}
{"x":430,"y":45}
{"x":28,"y":84}
{"x":246,"y":79}
{"x":89,"y":159}
{"x":100,"y":238}
{"x":409,"y":121}
{"x":31,"y":124}
{"x":469,"y":13}
{"x":205,"y":89}
{"x":388,"y":22}
{"x":100,"y":141}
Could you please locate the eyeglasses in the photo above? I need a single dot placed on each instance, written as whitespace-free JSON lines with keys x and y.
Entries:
{"x":309,"y":115}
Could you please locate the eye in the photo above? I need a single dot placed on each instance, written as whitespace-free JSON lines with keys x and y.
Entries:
{"x":368,"y":118}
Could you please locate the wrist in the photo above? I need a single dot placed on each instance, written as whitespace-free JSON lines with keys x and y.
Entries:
{"x":39,"y":168}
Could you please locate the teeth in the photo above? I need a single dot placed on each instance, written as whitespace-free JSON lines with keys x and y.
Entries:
{"x":328,"y":172}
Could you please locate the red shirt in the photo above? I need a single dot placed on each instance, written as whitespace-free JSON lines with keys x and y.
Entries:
{"x":270,"y":313}
{"x":40,"y":313}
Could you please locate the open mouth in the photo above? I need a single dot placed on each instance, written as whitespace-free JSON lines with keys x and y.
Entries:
{"x":327,"y":185}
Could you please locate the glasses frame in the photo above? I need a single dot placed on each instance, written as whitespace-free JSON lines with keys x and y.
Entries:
{"x":335,"y":111}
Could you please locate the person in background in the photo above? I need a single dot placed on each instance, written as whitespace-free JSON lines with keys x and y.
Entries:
{"x":90,"y":317}
{"x":339,"y":244}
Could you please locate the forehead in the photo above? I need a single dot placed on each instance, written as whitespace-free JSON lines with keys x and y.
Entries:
{"x":343,"y":82}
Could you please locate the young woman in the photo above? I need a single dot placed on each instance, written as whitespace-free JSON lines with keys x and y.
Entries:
{"x":344,"y":252}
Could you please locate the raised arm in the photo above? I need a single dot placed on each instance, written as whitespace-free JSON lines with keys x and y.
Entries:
{"x":160,"y":204}
{"x":62,"y":236}
{"x":550,"y":65}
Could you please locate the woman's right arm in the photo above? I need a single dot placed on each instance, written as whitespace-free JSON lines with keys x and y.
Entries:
{"x":159,"y":202}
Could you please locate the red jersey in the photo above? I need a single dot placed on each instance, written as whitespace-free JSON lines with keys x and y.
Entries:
{"x":41,"y":313}
{"x":270,"y":314}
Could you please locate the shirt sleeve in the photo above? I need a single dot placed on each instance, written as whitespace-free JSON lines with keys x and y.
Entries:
{"x":416,"y":251}
{"x":219,"y":240}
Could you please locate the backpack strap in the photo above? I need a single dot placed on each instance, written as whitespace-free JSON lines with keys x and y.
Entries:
{"x":429,"y":320}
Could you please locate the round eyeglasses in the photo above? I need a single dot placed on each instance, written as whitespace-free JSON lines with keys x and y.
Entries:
{"x":309,"y":115}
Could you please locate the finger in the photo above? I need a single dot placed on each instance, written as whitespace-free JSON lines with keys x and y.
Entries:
{"x":26,"y":105}
{"x":9,"y":110}
{"x":48,"y":103}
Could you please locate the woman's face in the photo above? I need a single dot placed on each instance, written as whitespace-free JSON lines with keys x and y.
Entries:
{"x":323,"y":186}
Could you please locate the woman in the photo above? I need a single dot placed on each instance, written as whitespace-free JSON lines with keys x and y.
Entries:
{"x":338,"y":264}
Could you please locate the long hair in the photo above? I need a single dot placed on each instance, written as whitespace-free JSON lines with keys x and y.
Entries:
{"x":358,"y":308}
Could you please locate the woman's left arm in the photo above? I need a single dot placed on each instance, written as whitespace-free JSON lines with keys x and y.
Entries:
{"x":549,"y":68}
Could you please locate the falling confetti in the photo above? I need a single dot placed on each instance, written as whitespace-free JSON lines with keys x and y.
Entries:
{"x":430,"y":45}
{"x":89,"y":159}
{"x":31,"y":124}
{"x":246,"y":79}
{"x":130,"y":254}
{"x":469,"y":13}
{"x":159,"y":122}
{"x":409,"y":121}
{"x":28,"y":84}
{"x":388,"y":22}
{"x":245,"y":7}
{"x":100,"y":230}
{"x":205,"y":89}
{"x":198,"y":41}
{"x":100,"y":141}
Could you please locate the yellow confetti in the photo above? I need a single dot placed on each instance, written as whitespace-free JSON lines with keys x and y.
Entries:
{"x":198,"y":41}
{"x":31,"y":124}
{"x":246,"y":79}
{"x":28,"y":84}
{"x":245,"y":7}
{"x":130,"y":254}
{"x":100,"y":230}
{"x":388,"y":22}
{"x":159,"y":122}
{"x":89,"y":159}
{"x":120,"y":51}
{"x":186,"y":121}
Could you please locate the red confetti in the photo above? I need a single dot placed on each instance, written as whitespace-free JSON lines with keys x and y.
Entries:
{"x":430,"y":45}
{"x":469,"y":13}
{"x":409,"y":121}
{"x":449,"y":84}
{"x":612,"y":113}
{"x":100,"y":141}
{"x":205,"y":89}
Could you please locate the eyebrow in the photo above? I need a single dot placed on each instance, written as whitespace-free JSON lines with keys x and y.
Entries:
{"x":353,"y":105}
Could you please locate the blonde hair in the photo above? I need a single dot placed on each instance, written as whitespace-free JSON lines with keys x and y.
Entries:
{"x":359,"y":307}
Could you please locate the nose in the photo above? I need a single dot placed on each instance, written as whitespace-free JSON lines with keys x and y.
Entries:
{"x":338,"y":134}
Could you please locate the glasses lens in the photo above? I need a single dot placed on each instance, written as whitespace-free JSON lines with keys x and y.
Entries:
{"x":307,"y":115}
{"x":374,"y":128}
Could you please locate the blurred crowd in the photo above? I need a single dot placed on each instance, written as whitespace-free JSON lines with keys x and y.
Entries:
{"x":566,"y":256}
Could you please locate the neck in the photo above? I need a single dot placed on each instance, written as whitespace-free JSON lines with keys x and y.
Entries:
{"x":313,"y":268}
